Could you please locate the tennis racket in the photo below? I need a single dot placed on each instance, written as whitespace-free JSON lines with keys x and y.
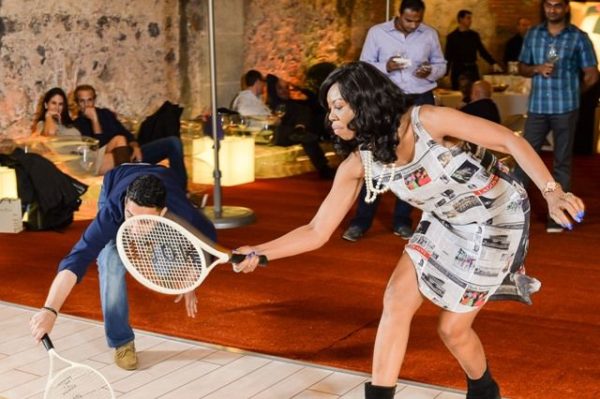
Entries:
{"x":168,"y":255}
{"x":74,"y":381}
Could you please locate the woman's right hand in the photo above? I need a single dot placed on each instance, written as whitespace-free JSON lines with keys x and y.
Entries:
{"x":41,"y":323}
{"x":249,"y":263}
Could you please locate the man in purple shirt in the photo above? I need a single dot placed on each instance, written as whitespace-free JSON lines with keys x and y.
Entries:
{"x":410,"y":54}
{"x":127,"y":190}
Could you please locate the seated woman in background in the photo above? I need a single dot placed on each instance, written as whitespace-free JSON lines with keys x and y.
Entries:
{"x":53,"y":118}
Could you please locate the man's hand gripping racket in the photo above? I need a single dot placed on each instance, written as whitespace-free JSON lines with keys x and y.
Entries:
{"x":74,"y":381}
{"x":168,"y":255}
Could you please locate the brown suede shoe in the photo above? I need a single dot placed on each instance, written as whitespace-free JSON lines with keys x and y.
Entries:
{"x":125,"y":356}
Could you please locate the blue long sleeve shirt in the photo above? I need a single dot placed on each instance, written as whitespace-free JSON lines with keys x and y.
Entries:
{"x":423,"y":45}
{"x":105,"y":225}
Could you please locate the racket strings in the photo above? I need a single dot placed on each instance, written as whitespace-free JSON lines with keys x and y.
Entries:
{"x":162,"y":255}
{"x":78,"y":382}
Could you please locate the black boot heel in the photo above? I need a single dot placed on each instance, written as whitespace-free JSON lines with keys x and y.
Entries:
{"x":378,"y":392}
{"x":483,"y":388}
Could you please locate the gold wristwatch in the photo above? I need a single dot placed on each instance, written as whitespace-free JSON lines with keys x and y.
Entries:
{"x":550,"y":187}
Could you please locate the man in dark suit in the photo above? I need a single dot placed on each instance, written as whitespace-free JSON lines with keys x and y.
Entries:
{"x":514,"y":44}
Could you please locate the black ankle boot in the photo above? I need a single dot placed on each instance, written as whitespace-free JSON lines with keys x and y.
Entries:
{"x":483,"y":388}
{"x":377,"y":392}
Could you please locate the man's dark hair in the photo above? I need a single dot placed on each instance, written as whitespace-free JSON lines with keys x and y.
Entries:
{"x":251,"y":77}
{"x":463,"y":13}
{"x":84,"y":88}
{"x":148,"y":191}
{"x":415,"y":5}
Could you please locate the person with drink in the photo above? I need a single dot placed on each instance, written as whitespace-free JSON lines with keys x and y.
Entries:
{"x":409,"y":53}
{"x":561,"y":62}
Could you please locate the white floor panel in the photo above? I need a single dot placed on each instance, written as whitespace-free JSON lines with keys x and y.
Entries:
{"x":174,"y":368}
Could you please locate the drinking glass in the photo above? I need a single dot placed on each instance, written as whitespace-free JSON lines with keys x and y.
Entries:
{"x":266,"y":134}
{"x":280,"y":111}
{"x":87,"y":157}
{"x":552,"y":56}
{"x":402,"y":59}
{"x":242,"y":124}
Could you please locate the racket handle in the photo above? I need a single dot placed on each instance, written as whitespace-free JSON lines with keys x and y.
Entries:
{"x":47,"y":342}
{"x":238,"y":258}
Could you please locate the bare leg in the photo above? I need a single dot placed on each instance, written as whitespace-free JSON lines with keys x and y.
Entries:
{"x":108,"y":162}
{"x":456,"y":331}
{"x":401,"y":300}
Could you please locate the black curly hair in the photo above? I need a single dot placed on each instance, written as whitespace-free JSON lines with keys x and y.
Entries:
{"x":378,"y":106}
{"x":148,"y":191}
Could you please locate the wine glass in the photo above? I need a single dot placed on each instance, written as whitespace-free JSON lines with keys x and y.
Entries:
{"x":266,"y":134}
{"x":552,"y":56}
{"x":243,"y":123}
{"x":87,"y":157}
{"x":280,"y":111}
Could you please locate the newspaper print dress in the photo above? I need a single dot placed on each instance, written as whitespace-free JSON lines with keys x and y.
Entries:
{"x":472,"y":238}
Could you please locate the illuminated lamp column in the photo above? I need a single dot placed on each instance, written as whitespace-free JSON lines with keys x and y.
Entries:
{"x":236,"y":160}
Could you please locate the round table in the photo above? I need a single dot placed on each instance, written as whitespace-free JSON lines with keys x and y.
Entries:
{"x":74,"y":154}
{"x":509,"y":103}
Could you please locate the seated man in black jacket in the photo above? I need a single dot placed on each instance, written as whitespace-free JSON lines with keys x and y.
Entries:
{"x":103,"y":125}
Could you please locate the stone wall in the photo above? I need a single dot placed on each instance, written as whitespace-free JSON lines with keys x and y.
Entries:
{"x":286,"y":37}
{"x":139,"y":53}
{"x":129,"y":53}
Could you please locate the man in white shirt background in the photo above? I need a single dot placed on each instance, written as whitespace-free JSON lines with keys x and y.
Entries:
{"x":248,"y":102}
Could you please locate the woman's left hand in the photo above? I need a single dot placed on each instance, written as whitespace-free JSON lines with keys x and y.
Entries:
{"x":561,"y":204}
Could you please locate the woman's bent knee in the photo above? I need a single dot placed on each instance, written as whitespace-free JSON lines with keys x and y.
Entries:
{"x":453,"y":333}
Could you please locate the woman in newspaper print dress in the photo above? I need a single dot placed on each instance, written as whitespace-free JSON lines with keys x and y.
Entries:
{"x":472,"y":238}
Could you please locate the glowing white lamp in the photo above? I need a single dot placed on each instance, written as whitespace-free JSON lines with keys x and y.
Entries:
{"x":236,"y":160}
{"x":8,"y":183}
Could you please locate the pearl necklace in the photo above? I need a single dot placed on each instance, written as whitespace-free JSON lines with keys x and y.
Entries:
{"x":380,"y":187}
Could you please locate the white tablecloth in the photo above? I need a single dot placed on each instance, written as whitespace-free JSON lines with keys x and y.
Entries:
{"x":508,"y":103}
{"x":515,"y":83}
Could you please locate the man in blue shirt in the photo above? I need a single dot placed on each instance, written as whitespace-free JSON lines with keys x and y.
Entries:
{"x":128,"y":190}
{"x":410,"y":54}
{"x":114,"y":138}
{"x":561,"y":61}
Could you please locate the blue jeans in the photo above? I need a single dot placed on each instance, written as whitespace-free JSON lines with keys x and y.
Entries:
{"x":113,"y":292}
{"x":169,"y":148}
{"x":562,"y":126}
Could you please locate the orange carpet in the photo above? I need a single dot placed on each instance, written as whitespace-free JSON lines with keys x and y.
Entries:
{"x":324,"y":306}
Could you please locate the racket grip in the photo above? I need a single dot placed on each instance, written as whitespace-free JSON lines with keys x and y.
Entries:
{"x":47,"y":342}
{"x":238,"y":258}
